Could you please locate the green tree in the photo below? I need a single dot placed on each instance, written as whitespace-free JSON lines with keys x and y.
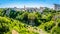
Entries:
{"x":32,"y":17}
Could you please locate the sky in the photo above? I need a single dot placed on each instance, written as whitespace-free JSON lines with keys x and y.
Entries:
{"x":28,"y":3}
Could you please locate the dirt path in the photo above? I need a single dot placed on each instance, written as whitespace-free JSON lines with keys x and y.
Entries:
{"x":14,"y":32}
{"x":40,"y":31}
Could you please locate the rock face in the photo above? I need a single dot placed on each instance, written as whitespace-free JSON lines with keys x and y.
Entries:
{"x":7,"y":12}
{"x":14,"y":32}
{"x":32,"y":23}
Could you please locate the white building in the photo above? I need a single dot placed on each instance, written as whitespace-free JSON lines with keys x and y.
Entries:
{"x":56,"y":6}
{"x":41,"y":9}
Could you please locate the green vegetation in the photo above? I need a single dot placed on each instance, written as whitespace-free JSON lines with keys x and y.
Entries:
{"x":26,"y":22}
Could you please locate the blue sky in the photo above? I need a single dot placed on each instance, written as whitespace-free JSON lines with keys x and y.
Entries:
{"x":28,"y":3}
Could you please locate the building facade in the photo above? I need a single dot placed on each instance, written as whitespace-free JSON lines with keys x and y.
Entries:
{"x":56,"y":6}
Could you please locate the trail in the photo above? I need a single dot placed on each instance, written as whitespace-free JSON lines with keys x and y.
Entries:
{"x":14,"y":32}
{"x":40,"y":31}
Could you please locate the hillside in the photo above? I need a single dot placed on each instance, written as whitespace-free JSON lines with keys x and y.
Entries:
{"x":24,"y":22}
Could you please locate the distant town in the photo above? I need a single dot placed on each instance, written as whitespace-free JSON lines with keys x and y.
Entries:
{"x":31,"y":9}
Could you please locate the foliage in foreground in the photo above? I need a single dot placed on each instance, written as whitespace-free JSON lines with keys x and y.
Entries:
{"x":7,"y":25}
